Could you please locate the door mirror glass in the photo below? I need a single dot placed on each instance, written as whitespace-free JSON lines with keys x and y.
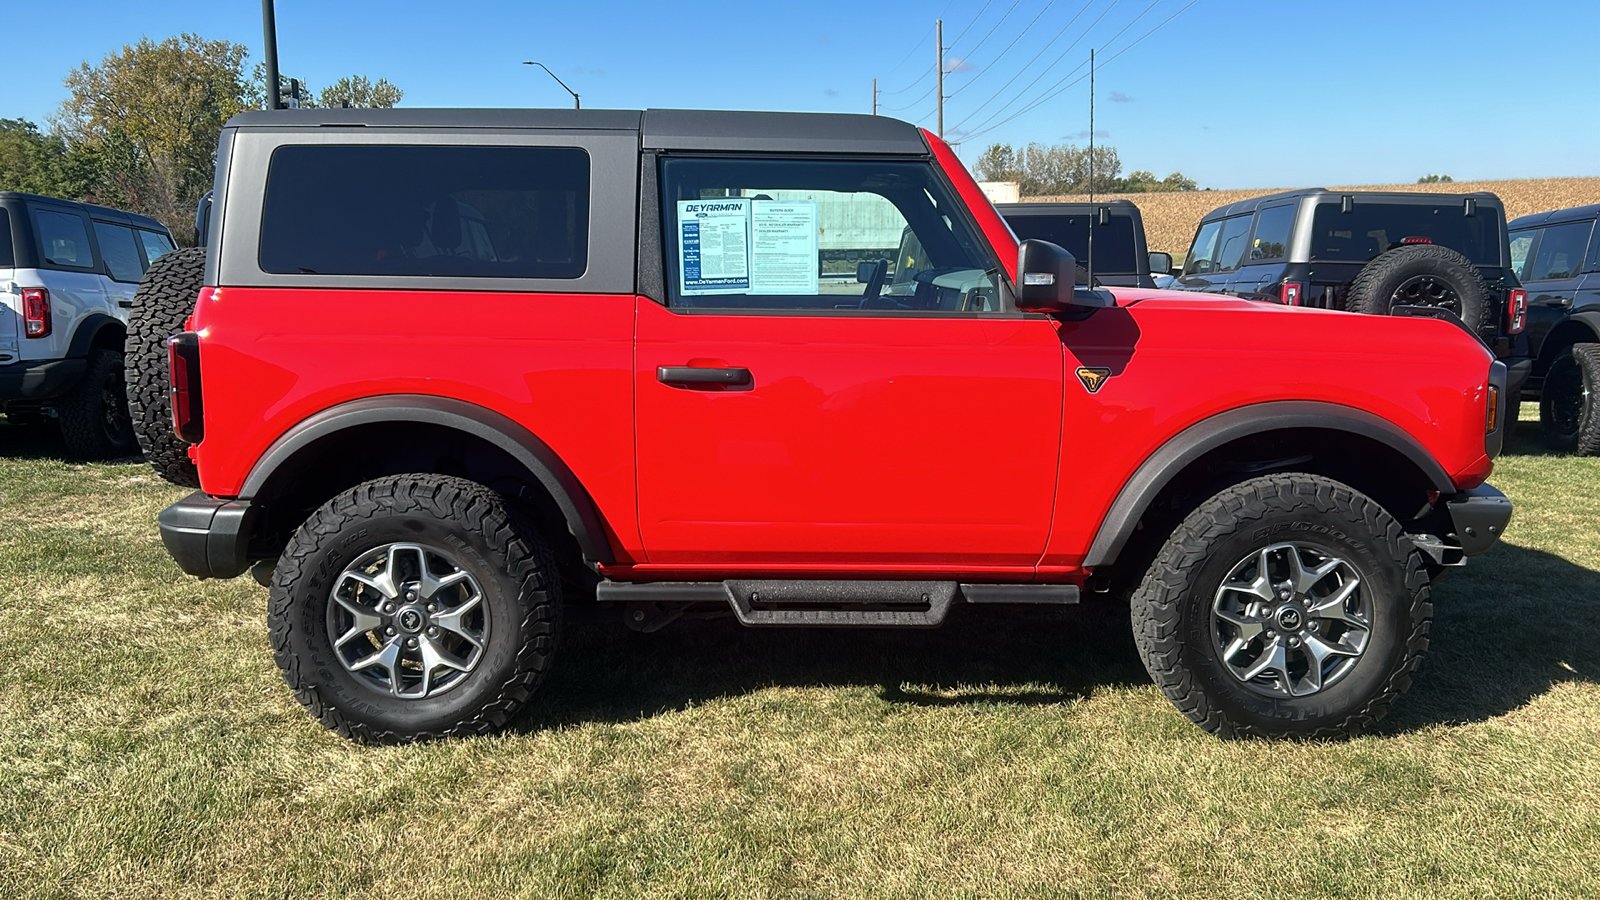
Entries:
{"x":1047,"y":280}
{"x":1161,"y":263}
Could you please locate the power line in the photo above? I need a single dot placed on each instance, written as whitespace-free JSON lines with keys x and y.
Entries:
{"x":1053,"y":92}
{"x":991,"y":31}
{"x":971,"y":23}
{"x":1045,"y":71}
{"x":1029,"y":27}
{"x":913,"y":51}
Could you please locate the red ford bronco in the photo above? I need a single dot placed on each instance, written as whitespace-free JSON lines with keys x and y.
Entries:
{"x":441,"y":372}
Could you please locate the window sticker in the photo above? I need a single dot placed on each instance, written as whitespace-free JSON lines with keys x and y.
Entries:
{"x":714,"y":246}
{"x":783,"y":247}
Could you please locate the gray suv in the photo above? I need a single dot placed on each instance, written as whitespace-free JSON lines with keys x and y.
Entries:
{"x":67,"y":277}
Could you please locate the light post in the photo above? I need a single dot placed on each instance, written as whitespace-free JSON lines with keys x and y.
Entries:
{"x":563,"y":84}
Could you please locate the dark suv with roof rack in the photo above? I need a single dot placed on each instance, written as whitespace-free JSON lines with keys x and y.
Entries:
{"x":1380,"y":252}
{"x":1557,"y":257}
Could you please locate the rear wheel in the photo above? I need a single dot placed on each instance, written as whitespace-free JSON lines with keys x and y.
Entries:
{"x":414,"y":607}
{"x":95,"y":423}
{"x":1286,"y":606}
{"x":1568,"y":400}
{"x":165,"y":299}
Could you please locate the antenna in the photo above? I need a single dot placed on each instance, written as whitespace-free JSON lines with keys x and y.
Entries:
{"x":1093,"y":219}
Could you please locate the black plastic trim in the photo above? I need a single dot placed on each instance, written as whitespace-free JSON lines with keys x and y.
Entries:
{"x":1020,"y":593}
{"x":1479,"y":516}
{"x":577,"y":507}
{"x":1494,"y":441}
{"x":31,"y":380}
{"x":1207,"y":435}
{"x":89,"y":328}
{"x":207,"y":536}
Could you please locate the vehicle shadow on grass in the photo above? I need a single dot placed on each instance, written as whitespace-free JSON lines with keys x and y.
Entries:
{"x":1511,"y":625}
{"x":1027,"y":657}
{"x":42,"y":441}
{"x":1508,"y":627}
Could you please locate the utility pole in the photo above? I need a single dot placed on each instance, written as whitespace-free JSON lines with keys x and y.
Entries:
{"x":874,"y":96}
{"x":938,"y":42}
{"x":269,"y":25}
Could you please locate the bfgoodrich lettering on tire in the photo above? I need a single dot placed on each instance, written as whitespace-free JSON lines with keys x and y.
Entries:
{"x":413,"y":607}
{"x":1285,"y":606}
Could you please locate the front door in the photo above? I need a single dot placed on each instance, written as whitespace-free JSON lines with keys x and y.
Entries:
{"x":794,"y":414}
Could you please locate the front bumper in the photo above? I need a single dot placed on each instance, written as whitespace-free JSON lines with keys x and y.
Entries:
{"x":208,"y":537}
{"x":40,"y":380}
{"x":1479,"y":517}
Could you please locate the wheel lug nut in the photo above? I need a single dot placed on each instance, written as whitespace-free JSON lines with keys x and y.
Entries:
{"x":433,"y":632}
{"x":388,"y":607}
{"x":411,"y":642}
{"x":432,"y":608}
{"x":390,"y":629}
{"x":411,"y":595}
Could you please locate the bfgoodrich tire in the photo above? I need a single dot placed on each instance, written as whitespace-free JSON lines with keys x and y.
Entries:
{"x":1422,"y":275}
{"x":165,"y":298}
{"x":94,"y":415}
{"x":414,"y":607}
{"x":1286,"y":606}
{"x":1569,"y":402}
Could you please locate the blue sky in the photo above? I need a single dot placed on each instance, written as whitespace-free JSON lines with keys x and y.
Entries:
{"x":1233,"y":93}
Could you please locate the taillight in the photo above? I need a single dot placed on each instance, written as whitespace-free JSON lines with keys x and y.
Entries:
{"x":1416,"y":240}
{"x":183,"y":367}
{"x":1290,"y":294}
{"x":1516,"y":311}
{"x":1491,"y":417}
{"x":36,"y":312}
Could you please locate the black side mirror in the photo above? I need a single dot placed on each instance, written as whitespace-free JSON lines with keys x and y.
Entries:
{"x":1046,"y":280}
{"x":864,"y":271}
{"x":1161,"y":263}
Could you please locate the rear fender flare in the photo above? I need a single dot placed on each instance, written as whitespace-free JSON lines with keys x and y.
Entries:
{"x":1193,"y":442}
{"x":1561,"y":336}
{"x":89,"y":328}
{"x":577,"y":507}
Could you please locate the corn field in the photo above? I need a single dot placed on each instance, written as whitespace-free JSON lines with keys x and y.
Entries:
{"x":1170,"y":218}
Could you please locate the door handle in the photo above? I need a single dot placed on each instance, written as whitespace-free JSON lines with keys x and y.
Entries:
{"x":698,"y":375}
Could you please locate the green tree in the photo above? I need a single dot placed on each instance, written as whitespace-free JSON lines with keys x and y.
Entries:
{"x":1435,"y":179}
{"x":359,"y":91}
{"x":999,"y":163}
{"x":31,"y":161}
{"x":147,"y":118}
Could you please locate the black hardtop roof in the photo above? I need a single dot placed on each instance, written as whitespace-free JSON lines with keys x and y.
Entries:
{"x":659,"y":129}
{"x":1557,"y":216}
{"x":93,"y":209}
{"x":1062,"y":207}
{"x":1241,"y":207}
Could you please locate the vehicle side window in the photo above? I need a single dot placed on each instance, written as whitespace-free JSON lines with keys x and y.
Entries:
{"x":7,"y":255}
{"x":1231,"y":245}
{"x":63,"y":241}
{"x":1271,"y":239}
{"x":1114,"y":250}
{"x":1202,"y":254}
{"x":156,"y":244}
{"x":473,"y":212}
{"x":786,"y":234}
{"x":1561,"y":251}
{"x":119,"y":251}
{"x":1521,"y":243}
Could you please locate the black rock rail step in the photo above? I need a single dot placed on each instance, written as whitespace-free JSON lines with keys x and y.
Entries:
{"x":875,"y":604}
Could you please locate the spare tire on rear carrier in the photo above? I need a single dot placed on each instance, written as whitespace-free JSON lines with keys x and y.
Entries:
{"x":165,"y":299}
{"x":1422,"y":275}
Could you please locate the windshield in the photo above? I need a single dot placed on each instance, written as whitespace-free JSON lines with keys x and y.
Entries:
{"x":1372,"y":228}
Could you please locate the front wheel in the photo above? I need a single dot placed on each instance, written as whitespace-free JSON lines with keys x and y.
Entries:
{"x":1286,"y":606}
{"x":1569,"y":402}
{"x":414,"y":607}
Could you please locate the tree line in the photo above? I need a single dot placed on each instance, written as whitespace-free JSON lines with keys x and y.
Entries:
{"x":1051,"y":170}
{"x":139,"y":130}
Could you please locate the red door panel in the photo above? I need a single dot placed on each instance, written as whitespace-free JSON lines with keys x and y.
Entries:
{"x":890,"y":441}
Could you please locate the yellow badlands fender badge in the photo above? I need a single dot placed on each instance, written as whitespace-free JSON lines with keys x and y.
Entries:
{"x":1093,"y":377}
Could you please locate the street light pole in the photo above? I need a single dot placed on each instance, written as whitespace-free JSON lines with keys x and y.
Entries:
{"x":575,"y":104}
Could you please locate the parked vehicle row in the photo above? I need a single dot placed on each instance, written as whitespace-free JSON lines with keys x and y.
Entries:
{"x":439,"y":373}
{"x":68,"y":273}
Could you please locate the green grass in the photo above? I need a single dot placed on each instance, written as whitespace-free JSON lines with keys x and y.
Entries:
{"x":151,"y":750}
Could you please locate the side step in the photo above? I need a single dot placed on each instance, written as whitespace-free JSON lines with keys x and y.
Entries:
{"x":879,"y":604}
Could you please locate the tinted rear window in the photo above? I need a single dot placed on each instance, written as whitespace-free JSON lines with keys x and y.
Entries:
{"x":1113,"y":242}
{"x":7,"y":259}
{"x":475,"y":212}
{"x":1371,"y":228}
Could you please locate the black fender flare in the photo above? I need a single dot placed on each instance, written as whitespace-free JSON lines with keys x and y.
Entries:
{"x":577,"y":507}
{"x":1588,"y":318}
{"x":89,"y":328}
{"x":1190,"y":444}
